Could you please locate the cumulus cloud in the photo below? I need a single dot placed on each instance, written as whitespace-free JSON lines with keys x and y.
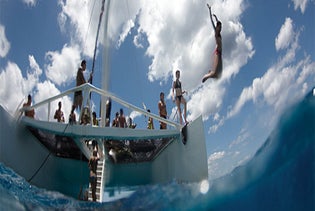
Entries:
{"x":217,"y":164}
{"x":62,"y":66}
{"x":126,"y":30}
{"x":45,"y":90}
{"x":80,"y":18}
{"x":216,"y":156}
{"x":15,"y":87}
{"x":300,"y":4}
{"x":283,"y":81}
{"x":285,"y":36}
{"x":242,"y":137}
{"x":4,"y":43}
{"x":30,"y":3}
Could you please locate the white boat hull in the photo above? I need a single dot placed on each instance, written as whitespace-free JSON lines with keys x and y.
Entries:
{"x":23,"y":150}
{"x":178,"y":161}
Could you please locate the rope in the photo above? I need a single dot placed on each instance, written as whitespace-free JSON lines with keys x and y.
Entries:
{"x":29,"y":180}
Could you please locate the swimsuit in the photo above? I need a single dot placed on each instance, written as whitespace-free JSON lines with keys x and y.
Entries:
{"x":178,"y":85}
{"x":92,"y":179}
{"x":217,"y":52}
{"x":179,"y":97}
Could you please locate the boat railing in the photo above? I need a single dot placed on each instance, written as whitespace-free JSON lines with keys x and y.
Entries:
{"x":87,"y":89}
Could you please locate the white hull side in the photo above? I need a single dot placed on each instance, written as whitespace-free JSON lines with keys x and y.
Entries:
{"x":184,"y":163}
{"x":22,"y":152}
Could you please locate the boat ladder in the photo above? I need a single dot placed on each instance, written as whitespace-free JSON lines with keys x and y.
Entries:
{"x":99,"y":189}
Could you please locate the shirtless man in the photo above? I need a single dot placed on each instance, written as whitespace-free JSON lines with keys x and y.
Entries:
{"x":78,"y":98}
{"x":122,"y":119}
{"x":72,"y":116}
{"x":178,"y":97}
{"x":59,"y":114}
{"x":162,"y":110}
{"x":30,"y":113}
{"x":116,"y":120}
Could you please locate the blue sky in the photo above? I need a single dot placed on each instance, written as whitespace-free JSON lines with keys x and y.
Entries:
{"x":268,"y":61}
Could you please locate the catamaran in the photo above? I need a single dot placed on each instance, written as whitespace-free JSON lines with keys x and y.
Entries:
{"x":55,"y":155}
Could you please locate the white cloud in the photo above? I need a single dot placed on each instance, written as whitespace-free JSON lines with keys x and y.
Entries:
{"x":217,"y":164}
{"x":30,"y":3}
{"x":126,"y":30}
{"x":45,"y":90}
{"x":300,"y":4}
{"x":285,"y":35}
{"x":79,"y":20}
{"x":216,"y":156}
{"x":282,"y":83}
{"x":62,"y":66}
{"x":12,"y":90}
{"x":242,"y":137}
{"x":4,"y":43}
{"x":37,"y":71}
{"x":15,"y":87}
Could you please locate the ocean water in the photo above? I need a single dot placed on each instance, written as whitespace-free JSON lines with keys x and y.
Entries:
{"x":281,"y":176}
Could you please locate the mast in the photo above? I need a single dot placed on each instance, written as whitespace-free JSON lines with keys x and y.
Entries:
{"x":105,"y":67}
{"x":96,"y":40}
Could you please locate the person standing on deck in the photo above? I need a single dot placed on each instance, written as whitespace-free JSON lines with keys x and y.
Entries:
{"x":122,"y":119}
{"x":216,"y":72}
{"x":178,"y":97}
{"x":78,"y":98}
{"x":162,"y":110}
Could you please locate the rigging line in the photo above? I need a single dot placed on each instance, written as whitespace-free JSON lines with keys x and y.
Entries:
{"x":45,"y":160}
{"x":97,"y":34}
